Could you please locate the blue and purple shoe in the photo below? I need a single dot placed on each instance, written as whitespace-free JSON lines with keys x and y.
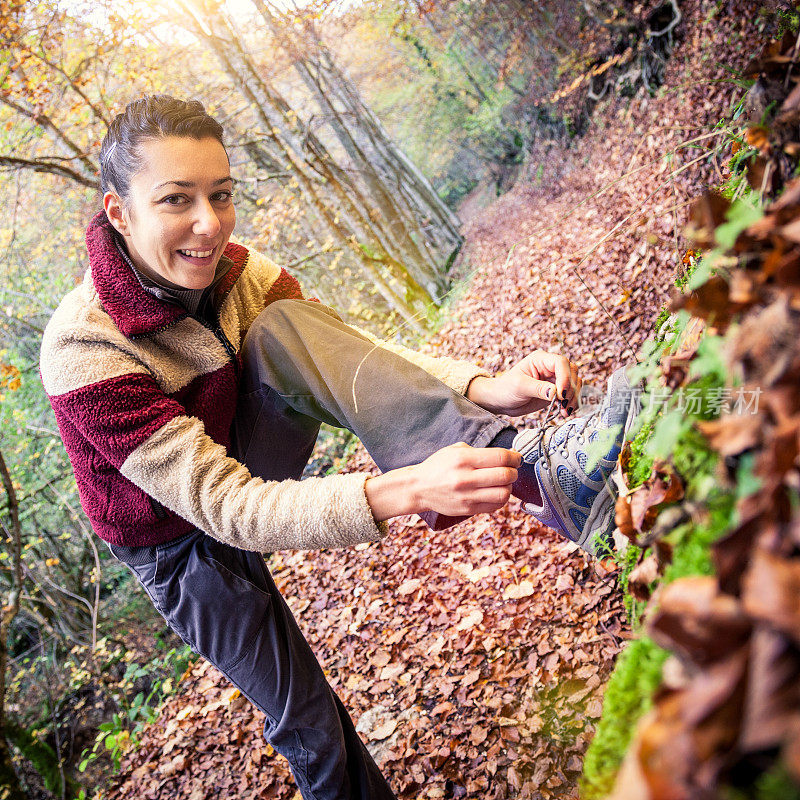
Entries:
{"x":573,"y":463}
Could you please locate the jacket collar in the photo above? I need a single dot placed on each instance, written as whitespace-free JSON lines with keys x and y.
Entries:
{"x":133,"y":310}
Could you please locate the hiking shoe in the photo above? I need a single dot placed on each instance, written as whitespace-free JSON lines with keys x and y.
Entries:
{"x":572,"y":464}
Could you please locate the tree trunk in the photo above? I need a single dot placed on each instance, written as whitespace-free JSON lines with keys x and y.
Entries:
{"x":335,"y":195}
{"x":325,"y":82}
{"x":415,"y":229}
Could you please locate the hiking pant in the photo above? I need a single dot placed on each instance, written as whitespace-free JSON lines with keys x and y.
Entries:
{"x":299,"y":364}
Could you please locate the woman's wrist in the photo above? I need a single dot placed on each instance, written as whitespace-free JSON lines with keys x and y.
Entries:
{"x":393,"y":494}
{"x":481,"y":392}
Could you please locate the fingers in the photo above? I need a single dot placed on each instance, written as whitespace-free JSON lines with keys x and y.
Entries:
{"x":484,"y":481}
{"x":482,"y":457}
{"x":535,"y":388}
{"x":480,"y":501}
{"x":487,"y":478}
{"x":484,"y":467}
{"x":460,"y":479}
{"x":567,"y":382}
{"x":576,"y":383}
{"x":488,"y":500}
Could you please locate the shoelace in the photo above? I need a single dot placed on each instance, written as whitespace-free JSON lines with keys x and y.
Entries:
{"x":548,"y":422}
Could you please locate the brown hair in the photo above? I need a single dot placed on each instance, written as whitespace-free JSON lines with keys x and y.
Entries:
{"x":151,"y":117}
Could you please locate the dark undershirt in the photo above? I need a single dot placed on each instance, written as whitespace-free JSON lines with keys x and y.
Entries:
{"x":197,"y":302}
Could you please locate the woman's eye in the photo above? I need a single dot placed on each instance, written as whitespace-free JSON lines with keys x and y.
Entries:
{"x":223,"y":196}
{"x":173,"y":199}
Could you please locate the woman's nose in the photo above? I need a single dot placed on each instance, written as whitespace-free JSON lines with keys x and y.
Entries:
{"x":206,"y":221}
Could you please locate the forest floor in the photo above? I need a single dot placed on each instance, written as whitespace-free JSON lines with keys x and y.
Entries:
{"x":474,"y":660}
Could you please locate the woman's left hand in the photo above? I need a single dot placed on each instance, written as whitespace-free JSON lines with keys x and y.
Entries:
{"x":529,"y":386}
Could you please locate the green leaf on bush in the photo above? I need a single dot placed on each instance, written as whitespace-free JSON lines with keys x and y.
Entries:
{"x":703,"y":271}
{"x":709,"y":360}
{"x":666,"y":433}
{"x":741,"y":215}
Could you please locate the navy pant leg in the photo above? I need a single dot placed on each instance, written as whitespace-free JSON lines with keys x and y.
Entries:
{"x":224,"y":603}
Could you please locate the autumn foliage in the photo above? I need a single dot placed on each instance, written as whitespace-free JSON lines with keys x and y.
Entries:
{"x":475,"y":661}
{"x":729,"y":706}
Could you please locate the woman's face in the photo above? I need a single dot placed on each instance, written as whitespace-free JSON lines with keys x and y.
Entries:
{"x":179,"y":213}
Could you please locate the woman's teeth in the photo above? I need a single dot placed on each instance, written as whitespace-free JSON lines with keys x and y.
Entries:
{"x":197,"y":253}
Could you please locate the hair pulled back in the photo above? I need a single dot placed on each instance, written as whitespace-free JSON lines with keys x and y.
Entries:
{"x":151,"y":117}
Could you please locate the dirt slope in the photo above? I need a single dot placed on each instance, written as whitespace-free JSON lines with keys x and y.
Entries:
{"x":474,"y":659}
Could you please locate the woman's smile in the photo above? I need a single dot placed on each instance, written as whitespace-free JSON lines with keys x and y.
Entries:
{"x":196,"y":253}
{"x":201,"y":258}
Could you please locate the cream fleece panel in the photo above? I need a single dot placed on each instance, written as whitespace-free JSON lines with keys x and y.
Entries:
{"x":198,"y":352}
{"x":230,"y":322}
{"x":82,"y":346}
{"x":248,"y":295}
{"x":189,"y":473}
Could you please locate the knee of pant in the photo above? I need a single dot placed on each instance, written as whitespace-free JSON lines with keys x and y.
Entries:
{"x":274,"y":317}
{"x":269,"y":327}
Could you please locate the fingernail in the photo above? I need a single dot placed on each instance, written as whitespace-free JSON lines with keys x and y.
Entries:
{"x":564,"y":402}
{"x":570,"y":410}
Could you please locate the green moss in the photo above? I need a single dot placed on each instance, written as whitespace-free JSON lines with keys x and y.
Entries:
{"x":627,"y":698}
{"x":777,"y":785}
{"x":693,"y":457}
{"x":787,"y":20}
{"x":640,"y":464}
{"x":662,"y":317}
{"x":682,"y":278}
{"x":627,"y":562}
{"x":692,"y":554}
{"x":638,"y":670}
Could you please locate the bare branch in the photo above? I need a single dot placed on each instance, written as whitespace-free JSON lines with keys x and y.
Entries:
{"x":50,"y":166}
{"x":44,"y":121}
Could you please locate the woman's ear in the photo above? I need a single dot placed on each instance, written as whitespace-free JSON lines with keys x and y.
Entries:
{"x":115,"y":211}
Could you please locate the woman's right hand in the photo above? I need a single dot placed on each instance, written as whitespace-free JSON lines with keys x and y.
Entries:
{"x":458,"y":480}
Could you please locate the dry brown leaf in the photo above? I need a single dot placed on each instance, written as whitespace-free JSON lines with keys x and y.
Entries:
{"x":698,"y":622}
{"x":771,"y":591}
{"x":381,"y":658}
{"x":383,"y":731}
{"x":516,"y":591}
{"x":475,"y":617}
{"x":409,"y":587}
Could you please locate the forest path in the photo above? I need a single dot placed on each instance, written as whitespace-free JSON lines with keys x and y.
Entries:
{"x":474,"y":659}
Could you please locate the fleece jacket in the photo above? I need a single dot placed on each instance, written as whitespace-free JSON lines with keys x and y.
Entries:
{"x":144,"y":395}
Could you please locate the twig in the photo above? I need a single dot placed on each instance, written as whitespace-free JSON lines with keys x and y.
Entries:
{"x":792,"y":62}
{"x":94,"y":607}
{"x":675,"y":218}
{"x":303,"y":260}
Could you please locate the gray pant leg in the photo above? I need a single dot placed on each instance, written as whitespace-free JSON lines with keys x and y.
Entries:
{"x":302,"y":365}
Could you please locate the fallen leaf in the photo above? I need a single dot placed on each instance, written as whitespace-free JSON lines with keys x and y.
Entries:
{"x":409,"y":586}
{"x":517,"y":591}
{"x":383,"y":731}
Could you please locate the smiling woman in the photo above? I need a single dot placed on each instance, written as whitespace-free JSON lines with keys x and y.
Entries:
{"x":189,"y":378}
